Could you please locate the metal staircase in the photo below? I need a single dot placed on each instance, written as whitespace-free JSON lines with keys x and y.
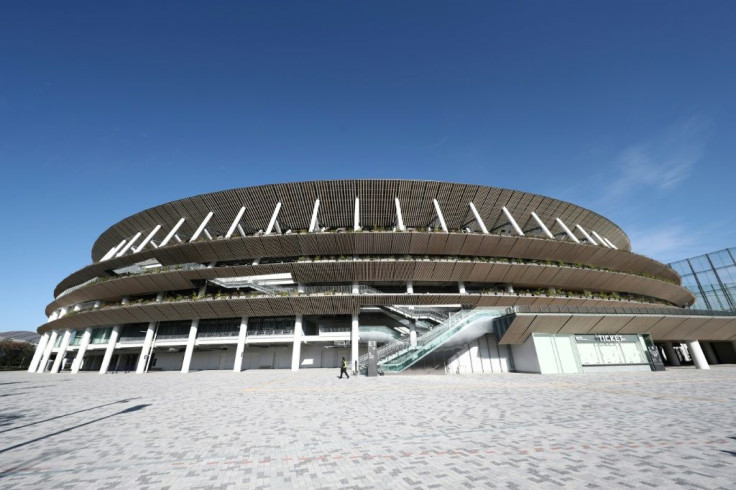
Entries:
{"x":399,"y":355}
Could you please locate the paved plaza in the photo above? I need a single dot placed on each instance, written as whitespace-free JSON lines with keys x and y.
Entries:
{"x":308,"y":429}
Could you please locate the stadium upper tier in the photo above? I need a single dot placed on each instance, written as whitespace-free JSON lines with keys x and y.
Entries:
{"x":498,"y":247}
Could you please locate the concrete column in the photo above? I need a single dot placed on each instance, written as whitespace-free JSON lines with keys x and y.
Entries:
{"x":671,"y":354}
{"x":409,"y":287}
{"x":356,"y":288}
{"x":77,"y":363}
{"x":110,"y":348}
{"x":146,"y":349}
{"x":354,"y":342}
{"x":240,"y":351}
{"x":190,"y":346}
{"x":710,"y":354}
{"x":461,"y":288}
{"x":697,"y":354}
{"x":47,"y":351}
{"x":39,"y":352}
{"x":413,"y":336}
{"x":509,"y":288}
{"x":62,"y":351}
{"x":296,"y":351}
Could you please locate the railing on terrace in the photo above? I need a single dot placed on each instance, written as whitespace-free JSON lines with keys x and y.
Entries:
{"x":131,"y":338}
{"x":270,"y":331}
{"x":418,"y":312}
{"x":409,"y":257}
{"x":620,"y":310}
{"x":220,"y":332}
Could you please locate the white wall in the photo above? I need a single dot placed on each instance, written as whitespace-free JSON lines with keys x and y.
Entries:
{"x":556,"y":354}
{"x":525,"y":357}
{"x":482,"y":355}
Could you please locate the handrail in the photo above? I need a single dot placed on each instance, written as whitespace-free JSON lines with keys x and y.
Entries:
{"x":424,"y":342}
{"x":616,"y":310}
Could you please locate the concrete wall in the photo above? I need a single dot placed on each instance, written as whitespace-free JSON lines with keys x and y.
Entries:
{"x":168,"y":361}
{"x":220,"y":358}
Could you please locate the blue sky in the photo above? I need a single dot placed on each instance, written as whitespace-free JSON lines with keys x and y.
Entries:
{"x":108,"y":108}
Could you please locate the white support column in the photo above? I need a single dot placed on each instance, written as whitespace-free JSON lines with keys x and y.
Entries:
{"x":600,"y":239}
{"x":412,"y":336}
{"x":275,"y":215}
{"x":47,"y":351}
{"x":585,"y":234}
{"x":610,"y":243}
{"x":62,"y":351}
{"x":241,"y":231}
{"x":39,"y":352}
{"x":440,"y":216}
{"x":296,"y":351}
{"x":236,"y":223}
{"x":147,"y":239}
{"x":461,"y":287}
{"x":710,"y":354}
{"x":354,"y":342}
{"x":190,"y":346}
{"x":110,"y":348}
{"x":671,"y":354}
{"x":109,"y":254}
{"x":356,"y":288}
{"x":113,"y":251}
{"x":409,"y":287}
{"x":240,"y":350}
{"x":146,"y":349}
{"x":207,"y":234}
{"x":478,"y":218}
{"x":697,"y":354}
{"x":513,"y":222}
{"x":200,"y":229}
{"x":79,"y":359}
{"x":399,"y":218}
{"x":172,"y":232}
{"x":130,"y":244}
{"x":567,"y":230}
{"x":541,"y":225}
{"x":356,"y":215}
{"x":313,"y":222}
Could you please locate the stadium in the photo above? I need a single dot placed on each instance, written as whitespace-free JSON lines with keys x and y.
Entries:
{"x":444,"y":277}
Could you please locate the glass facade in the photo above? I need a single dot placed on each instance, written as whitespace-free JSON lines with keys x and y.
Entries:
{"x":711,"y":278}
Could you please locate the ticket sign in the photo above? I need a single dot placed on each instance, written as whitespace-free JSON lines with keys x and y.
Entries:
{"x":606,"y":338}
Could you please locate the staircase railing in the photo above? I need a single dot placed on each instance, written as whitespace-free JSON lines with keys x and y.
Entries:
{"x":397,"y":356}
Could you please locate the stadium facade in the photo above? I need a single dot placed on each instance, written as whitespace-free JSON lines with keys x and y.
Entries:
{"x":453,"y":277}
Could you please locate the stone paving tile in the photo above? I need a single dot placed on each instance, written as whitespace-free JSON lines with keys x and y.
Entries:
{"x":309,"y":430}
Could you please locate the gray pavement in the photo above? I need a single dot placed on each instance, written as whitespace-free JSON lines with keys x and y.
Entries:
{"x":278,"y":429}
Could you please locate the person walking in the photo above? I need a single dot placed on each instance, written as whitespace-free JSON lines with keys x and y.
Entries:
{"x":344,"y":368}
